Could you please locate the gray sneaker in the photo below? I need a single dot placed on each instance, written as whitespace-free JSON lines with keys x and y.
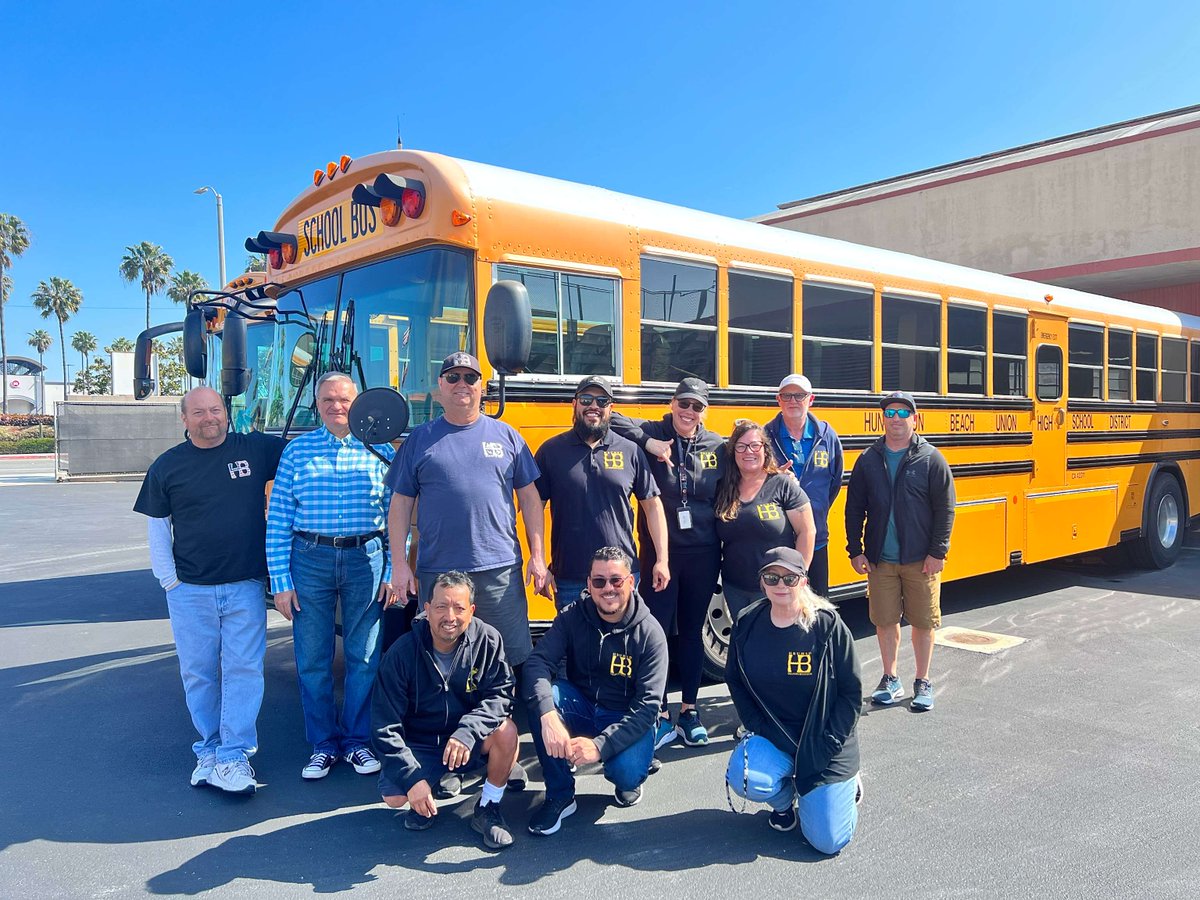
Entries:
{"x":889,"y":691}
{"x":235,"y":777}
{"x":922,"y":695}
{"x":204,"y":769}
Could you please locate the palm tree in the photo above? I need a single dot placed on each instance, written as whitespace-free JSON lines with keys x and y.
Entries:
{"x":183,"y":283}
{"x":148,"y":264}
{"x":40,"y":341}
{"x":255,"y":263}
{"x":14,"y":240}
{"x":120,"y":345}
{"x":61,"y":299}
{"x":84,"y":342}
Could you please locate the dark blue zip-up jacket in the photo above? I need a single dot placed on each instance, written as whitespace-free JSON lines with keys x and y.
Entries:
{"x":413,"y":703}
{"x":820,"y":483}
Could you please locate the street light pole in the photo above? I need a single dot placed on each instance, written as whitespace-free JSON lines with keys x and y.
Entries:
{"x":220,"y":228}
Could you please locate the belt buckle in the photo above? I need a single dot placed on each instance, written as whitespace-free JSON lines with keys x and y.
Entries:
{"x":339,"y":543}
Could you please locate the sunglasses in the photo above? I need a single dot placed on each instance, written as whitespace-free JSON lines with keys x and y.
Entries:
{"x":794,"y":398}
{"x":752,"y":447}
{"x":770,"y":579}
{"x":694,"y":405}
{"x":598,"y":582}
{"x":589,"y":399}
{"x":468,"y":377}
{"x":902,"y":413}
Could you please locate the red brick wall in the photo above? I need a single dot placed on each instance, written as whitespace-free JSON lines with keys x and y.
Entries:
{"x":1184,"y":298}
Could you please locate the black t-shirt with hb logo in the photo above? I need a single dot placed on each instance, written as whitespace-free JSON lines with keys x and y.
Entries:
{"x":760,"y":525}
{"x":781,"y":669}
{"x":216,"y":499}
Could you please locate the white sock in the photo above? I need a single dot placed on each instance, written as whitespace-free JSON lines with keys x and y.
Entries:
{"x":491,"y":793}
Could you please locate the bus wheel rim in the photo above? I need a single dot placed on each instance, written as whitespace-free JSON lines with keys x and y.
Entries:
{"x":1168,"y":521}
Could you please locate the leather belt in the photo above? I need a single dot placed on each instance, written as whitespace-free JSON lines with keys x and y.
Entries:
{"x":342,"y":543}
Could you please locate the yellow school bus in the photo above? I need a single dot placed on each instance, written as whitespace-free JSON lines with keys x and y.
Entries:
{"x":1070,"y":420}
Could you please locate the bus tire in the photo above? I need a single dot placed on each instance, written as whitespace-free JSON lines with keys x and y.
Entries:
{"x":715,"y":636}
{"x":1162,"y":535}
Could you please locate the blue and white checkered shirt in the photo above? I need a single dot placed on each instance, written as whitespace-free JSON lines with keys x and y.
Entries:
{"x":328,"y":486}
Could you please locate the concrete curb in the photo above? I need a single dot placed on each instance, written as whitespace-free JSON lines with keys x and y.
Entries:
{"x":4,"y":456}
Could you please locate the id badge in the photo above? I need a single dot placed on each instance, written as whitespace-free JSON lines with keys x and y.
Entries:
{"x":684,"y":516}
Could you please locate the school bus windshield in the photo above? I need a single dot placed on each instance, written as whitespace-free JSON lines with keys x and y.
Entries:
{"x":388,"y":323}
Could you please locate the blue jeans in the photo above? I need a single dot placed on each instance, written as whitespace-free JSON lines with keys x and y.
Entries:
{"x":323,"y":577}
{"x":626,"y":770}
{"x":761,"y":772}
{"x":220,"y":637}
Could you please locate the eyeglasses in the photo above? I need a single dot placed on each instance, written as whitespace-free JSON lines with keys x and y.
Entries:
{"x":694,"y":405}
{"x":752,"y":447}
{"x":794,"y":398}
{"x":770,"y":579}
{"x":589,"y":399}
{"x":902,"y":413}
{"x":598,"y":582}
{"x":468,"y":377}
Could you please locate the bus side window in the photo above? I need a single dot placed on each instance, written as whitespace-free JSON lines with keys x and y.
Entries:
{"x":838,"y":336}
{"x":1009,"y":349}
{"x":1049,"y":373}
{"x":1120,"y":364}
{"x":679,"y":321}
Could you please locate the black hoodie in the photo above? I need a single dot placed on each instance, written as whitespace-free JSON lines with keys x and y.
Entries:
{"x":413,"y":704}
{"x":619,"y":666}
{"x":826,"y":749}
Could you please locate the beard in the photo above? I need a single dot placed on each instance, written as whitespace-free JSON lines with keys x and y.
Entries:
{"x":588,"y":433}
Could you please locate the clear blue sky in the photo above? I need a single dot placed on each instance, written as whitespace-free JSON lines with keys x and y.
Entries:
{"x":113,"y":113}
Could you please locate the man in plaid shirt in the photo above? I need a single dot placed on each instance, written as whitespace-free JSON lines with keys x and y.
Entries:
{"x":326,"y":544}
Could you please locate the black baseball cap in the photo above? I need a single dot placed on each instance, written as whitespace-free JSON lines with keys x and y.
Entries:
{"x":460,"y":360}
{"x":692,"y":389}
{"x":595,"y":381}
{"x":898,"y":397}
{"x":786,"y":558}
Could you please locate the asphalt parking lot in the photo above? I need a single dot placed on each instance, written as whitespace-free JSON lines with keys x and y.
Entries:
{"x":1064,"y":767}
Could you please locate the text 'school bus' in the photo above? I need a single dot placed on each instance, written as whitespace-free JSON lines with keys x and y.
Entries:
{"x":1070,"y":420}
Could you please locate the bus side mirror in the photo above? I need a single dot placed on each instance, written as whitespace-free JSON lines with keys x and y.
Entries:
{"x":143,"y":383}
{"x":195,"y":357}
{"x":508,"y":327}
{"x":235,"y":371}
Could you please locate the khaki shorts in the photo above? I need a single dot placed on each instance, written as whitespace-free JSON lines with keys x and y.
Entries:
{"x":893,"y":589}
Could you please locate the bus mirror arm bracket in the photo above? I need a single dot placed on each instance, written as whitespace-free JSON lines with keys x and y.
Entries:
{"x":507,"y":332}
{"x":143,"y":382}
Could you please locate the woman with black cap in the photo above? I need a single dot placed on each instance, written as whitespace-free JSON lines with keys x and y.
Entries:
{"x":687,"y":462}
{"x":794,"y":678}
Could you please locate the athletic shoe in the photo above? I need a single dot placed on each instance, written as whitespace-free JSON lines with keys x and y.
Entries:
{"x":414,"y":821}
{"x":489,"y":822}
{"x":204,"y":768}
{"x":318,"y":766}
{"x":517,"y":778}
{"x":548,"y":819}
{"x":739,"y":733}
{"x":691,"y":729}
{"x":783,"y":821}
{"x":922,"y":695}
{"x":655,"y":765}
{"x":664,"y":734}
{"x":858,"y":789}
{"x":629,"y":798}
{"x":449,"y":785}
{"x":363,"y":760}
{"x":236,"y":777}
{"x":889,"y":691}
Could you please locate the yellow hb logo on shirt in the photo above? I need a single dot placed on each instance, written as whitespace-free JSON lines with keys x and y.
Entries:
{"x":821,"y":459}
{"x":621,"y":665}
{"x":768,"y":512}
{"x":708,"y":459}
{"x":614,"y":459}
{"x":472,"y":685}
{"x":799,"y":663}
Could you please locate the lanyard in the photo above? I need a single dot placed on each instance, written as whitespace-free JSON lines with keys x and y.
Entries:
{"x":685,"y":453}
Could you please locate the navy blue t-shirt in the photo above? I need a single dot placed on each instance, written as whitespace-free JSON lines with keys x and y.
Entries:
{"x":216,"y":499}
{"x":588,"y":489}
{"x":464,"y":477}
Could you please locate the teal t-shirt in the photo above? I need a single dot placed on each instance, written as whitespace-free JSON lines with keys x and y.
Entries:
{"x":891,"y":542}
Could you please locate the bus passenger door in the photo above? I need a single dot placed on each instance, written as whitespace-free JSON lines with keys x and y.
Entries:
{"x":1046,"y":505}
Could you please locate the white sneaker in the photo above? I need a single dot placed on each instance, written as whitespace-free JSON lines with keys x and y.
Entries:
{"x":235,"y":777}
{"x":204,"y":769}
{"x":363,"y":760}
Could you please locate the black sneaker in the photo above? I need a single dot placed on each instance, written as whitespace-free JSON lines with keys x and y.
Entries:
{"x":629,"y":798}
{"x":489,"y":822}
{"x":318,"y":766}
{"x":548,"y":819}
{"x":783,"y":821}
{"x":517,"y":778}
{"x":450,"y":785}
{"x":414,"y":821}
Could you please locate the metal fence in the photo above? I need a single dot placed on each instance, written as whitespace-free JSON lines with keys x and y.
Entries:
{"x":112,"y":438}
